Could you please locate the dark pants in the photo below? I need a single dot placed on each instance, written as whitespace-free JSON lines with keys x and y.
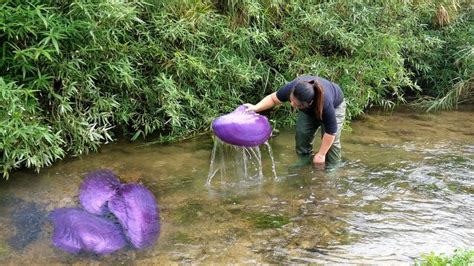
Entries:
{"x":306,"y":127}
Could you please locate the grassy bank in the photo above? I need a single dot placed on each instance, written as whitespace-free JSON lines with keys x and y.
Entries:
{"x":459,"y":258}
{"x":78,"y":74}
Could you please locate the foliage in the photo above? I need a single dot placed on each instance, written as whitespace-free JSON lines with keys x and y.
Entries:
{"x":78,"y":74}
{"x":25,"y":138}
{"x":447,"y":72}
{"x":460,"y":257}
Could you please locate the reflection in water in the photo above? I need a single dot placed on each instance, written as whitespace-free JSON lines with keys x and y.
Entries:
{"x":405,"y":188}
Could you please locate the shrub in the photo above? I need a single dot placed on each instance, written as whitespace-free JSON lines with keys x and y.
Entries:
{"x":89,"y":71}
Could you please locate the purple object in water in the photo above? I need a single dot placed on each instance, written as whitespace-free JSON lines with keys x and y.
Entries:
{"x":242,"y":128}
{"x":76,"y":230}
{"x":136,"y":209}
{"x":96,"y":189}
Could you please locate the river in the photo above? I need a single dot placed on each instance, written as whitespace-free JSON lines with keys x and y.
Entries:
{"x":406,"y":187}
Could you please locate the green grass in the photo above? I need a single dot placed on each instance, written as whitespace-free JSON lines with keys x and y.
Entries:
{"x":459,"y":258}
{"x":76,"y":75}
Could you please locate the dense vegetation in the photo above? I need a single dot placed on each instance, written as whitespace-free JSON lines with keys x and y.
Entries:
{"x":77,"y":74}
{"x":459,"y":258}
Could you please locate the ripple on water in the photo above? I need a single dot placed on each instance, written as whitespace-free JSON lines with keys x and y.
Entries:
{"x":397,"y":195}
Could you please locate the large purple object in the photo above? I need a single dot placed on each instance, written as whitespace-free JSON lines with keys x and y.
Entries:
{"x":242,"y":128}
{"x":136,"y":209}
{"x":76,"y":230}
{"x":96,"y":189}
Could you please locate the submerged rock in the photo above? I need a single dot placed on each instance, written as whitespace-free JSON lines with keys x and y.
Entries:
{"x":242,"y":128}
{"x":76,"y":230}
{"x":28,"y":219}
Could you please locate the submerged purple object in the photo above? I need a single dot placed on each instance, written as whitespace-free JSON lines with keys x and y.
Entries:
{"x":136,"y":209}
{"x":96,"y":189}
{"x":242,"y":128}
{"x":76,"y":230}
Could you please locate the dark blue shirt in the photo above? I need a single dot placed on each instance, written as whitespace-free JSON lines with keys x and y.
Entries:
{"x":333,"y":97}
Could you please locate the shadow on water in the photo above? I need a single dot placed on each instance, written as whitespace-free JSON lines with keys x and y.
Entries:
{"x":26,"y":218}
{"x":405,"y":188}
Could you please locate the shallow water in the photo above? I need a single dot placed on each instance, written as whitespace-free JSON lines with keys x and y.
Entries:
{"x":405,"y":188}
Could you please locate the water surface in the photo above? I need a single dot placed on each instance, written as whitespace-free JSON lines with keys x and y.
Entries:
{"x":405,"y":188}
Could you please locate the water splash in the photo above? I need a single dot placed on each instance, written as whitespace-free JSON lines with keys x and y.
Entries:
{"x":270,"y":152}
{"x":237,"y":165}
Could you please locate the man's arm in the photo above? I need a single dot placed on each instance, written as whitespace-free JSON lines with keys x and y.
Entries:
{"x":266,"y":103}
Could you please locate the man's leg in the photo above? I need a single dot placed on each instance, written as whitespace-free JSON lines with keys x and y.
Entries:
{"x":306,"y":127}
{"x":334,"y":153}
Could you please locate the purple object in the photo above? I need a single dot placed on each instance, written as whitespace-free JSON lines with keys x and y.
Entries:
{"x":242,"y":128}
{"x":136,"y":209}
{"x":96,"y":189}
{"x":76,"y":230}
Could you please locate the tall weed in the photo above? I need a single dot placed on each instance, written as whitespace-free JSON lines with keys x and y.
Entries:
{"x":78,"y":74}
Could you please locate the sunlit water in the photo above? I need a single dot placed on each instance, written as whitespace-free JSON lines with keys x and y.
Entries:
{"x":405,"y":188}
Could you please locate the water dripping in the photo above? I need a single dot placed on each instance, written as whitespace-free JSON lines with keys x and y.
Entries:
{"x":270,"y":152}
{"x":241,"y":166}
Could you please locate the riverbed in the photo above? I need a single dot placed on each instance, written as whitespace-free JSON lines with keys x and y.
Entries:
{"x":405,"y":187}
